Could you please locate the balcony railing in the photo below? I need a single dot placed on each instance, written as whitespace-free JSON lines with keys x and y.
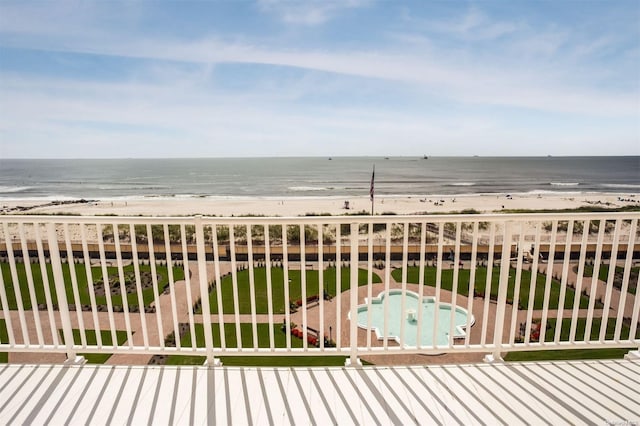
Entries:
{"x":255,"y":286}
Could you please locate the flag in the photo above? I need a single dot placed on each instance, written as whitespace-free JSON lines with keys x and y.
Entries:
{"x":371,"y":189}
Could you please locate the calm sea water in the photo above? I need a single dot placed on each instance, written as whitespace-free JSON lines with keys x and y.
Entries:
{"x":313,"y":177}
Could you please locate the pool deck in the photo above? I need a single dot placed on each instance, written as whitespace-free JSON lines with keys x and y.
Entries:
{"x":565,"y":392}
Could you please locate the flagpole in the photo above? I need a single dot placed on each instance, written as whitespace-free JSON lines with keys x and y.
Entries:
{"x":371,"y":189}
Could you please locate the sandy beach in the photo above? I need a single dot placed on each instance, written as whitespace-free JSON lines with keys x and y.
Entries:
{"x":285,"y":207}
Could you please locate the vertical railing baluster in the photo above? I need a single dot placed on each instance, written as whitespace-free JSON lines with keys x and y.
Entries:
{"x":339,"y":286}
{"x":154,"y":280}
{"x":353,"y":297}
{"x":90,"y":285}
{"x":387,"y":280}
{"x":172,"y":286}
{"x":625,"y":280}
{"x":635,"y":314}
{"x":436,"y":304}
{"x":234,"y":283}
{"x":533,"y":284}
{"x":6,"y":313}
{"x":285,"y":270}
{"x":107,"y":284}
{"x":422,"y":254}
{"x":503,"y":287}
{"x":123,"y":288}
{"x":187,"y":284}
{"x":517,"y":284}
{"x":472,"y":282}
{"x":74,"y":285}
{"x":369,"y":280}
{"x":403,"y":300}
{"x":26,"y":261}
{"x":454,"y":284}
{"x":267,"y":255}
{"x":204,"y":291}
{"x":321,"y":331}
{"x":594,"y":280}
{"x":218,"y":285}
{"x":577,"y":296}
{"x":613,"y":260}
{"x":303,"y":286}
{"x":45,"y":285}
{"x":548,"y":281}
{"x":63,"y":306}
{"x":16,"y":285}
{"x":136,"y":269}
{"x":488,"y":286}
{"x":563,"y":282}
{"x":252,"y":288}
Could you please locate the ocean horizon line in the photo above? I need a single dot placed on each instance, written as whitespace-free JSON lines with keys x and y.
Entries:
{"x":328,"y":157}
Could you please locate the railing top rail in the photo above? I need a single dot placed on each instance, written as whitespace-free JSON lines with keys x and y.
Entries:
{"x":260,"y":220}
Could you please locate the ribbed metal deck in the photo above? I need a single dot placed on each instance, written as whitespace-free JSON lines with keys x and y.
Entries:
{"x":576,"y":392}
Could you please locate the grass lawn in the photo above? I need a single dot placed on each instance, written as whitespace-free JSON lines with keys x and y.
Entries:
{"x":121,"y":335}
{"x":570,"y":354}
{"x":4,"y":339}
{"x":277,"y":285}
{"x":247,"y":341}
{"x":480,"y":285}
{"x":603,"y":275}
{"x":83,"y":289}
{"x":91,"y":340}
{"x":264,"y":361}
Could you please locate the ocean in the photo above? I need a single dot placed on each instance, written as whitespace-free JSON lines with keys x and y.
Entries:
{"x":106,"y":179}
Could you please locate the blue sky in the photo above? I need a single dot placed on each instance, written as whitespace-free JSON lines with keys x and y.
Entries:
{"x":351,"y":77}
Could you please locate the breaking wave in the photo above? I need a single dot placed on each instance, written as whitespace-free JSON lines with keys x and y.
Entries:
{"x":564,"y":183}
{"x":13,"y":189}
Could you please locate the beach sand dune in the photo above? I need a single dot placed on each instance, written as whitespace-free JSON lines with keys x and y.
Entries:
{"x":327,"y":205}
{"x":292,"y":207}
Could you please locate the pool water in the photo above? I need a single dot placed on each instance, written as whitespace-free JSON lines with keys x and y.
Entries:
{"x":410,"y":315}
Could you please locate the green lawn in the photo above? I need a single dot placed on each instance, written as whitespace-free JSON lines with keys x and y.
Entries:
{"x":247,"y":341}
{"x":121,"y":335}
{"x":277,"y":285}
{"x":570,"y":354}
{"x":3,"y":339}
{"x":246,"y":336}
{"x":91,"y":340}
{"x":603,"y":275}
{"x":264,"y":361}
{"x":96,"y":274}
{"x":480,"y":285}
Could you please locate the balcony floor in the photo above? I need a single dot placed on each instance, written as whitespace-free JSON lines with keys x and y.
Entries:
{"x":567,"y":392}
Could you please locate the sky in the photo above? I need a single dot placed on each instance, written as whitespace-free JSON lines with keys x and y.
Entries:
{"x":108,"y":79}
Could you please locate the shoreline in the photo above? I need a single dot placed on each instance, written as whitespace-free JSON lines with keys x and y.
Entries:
{"x":330,"y":205}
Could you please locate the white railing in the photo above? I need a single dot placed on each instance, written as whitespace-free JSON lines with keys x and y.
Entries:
{"x":286,"y":286}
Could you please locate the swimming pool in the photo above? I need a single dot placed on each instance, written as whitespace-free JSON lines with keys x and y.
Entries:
{"x":410,"y":318}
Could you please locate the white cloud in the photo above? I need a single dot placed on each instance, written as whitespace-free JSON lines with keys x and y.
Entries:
{"x":312,"y":12}
{"x":473,"y":25}
{"x":434,"y":72}
{"x":525,"y":78}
